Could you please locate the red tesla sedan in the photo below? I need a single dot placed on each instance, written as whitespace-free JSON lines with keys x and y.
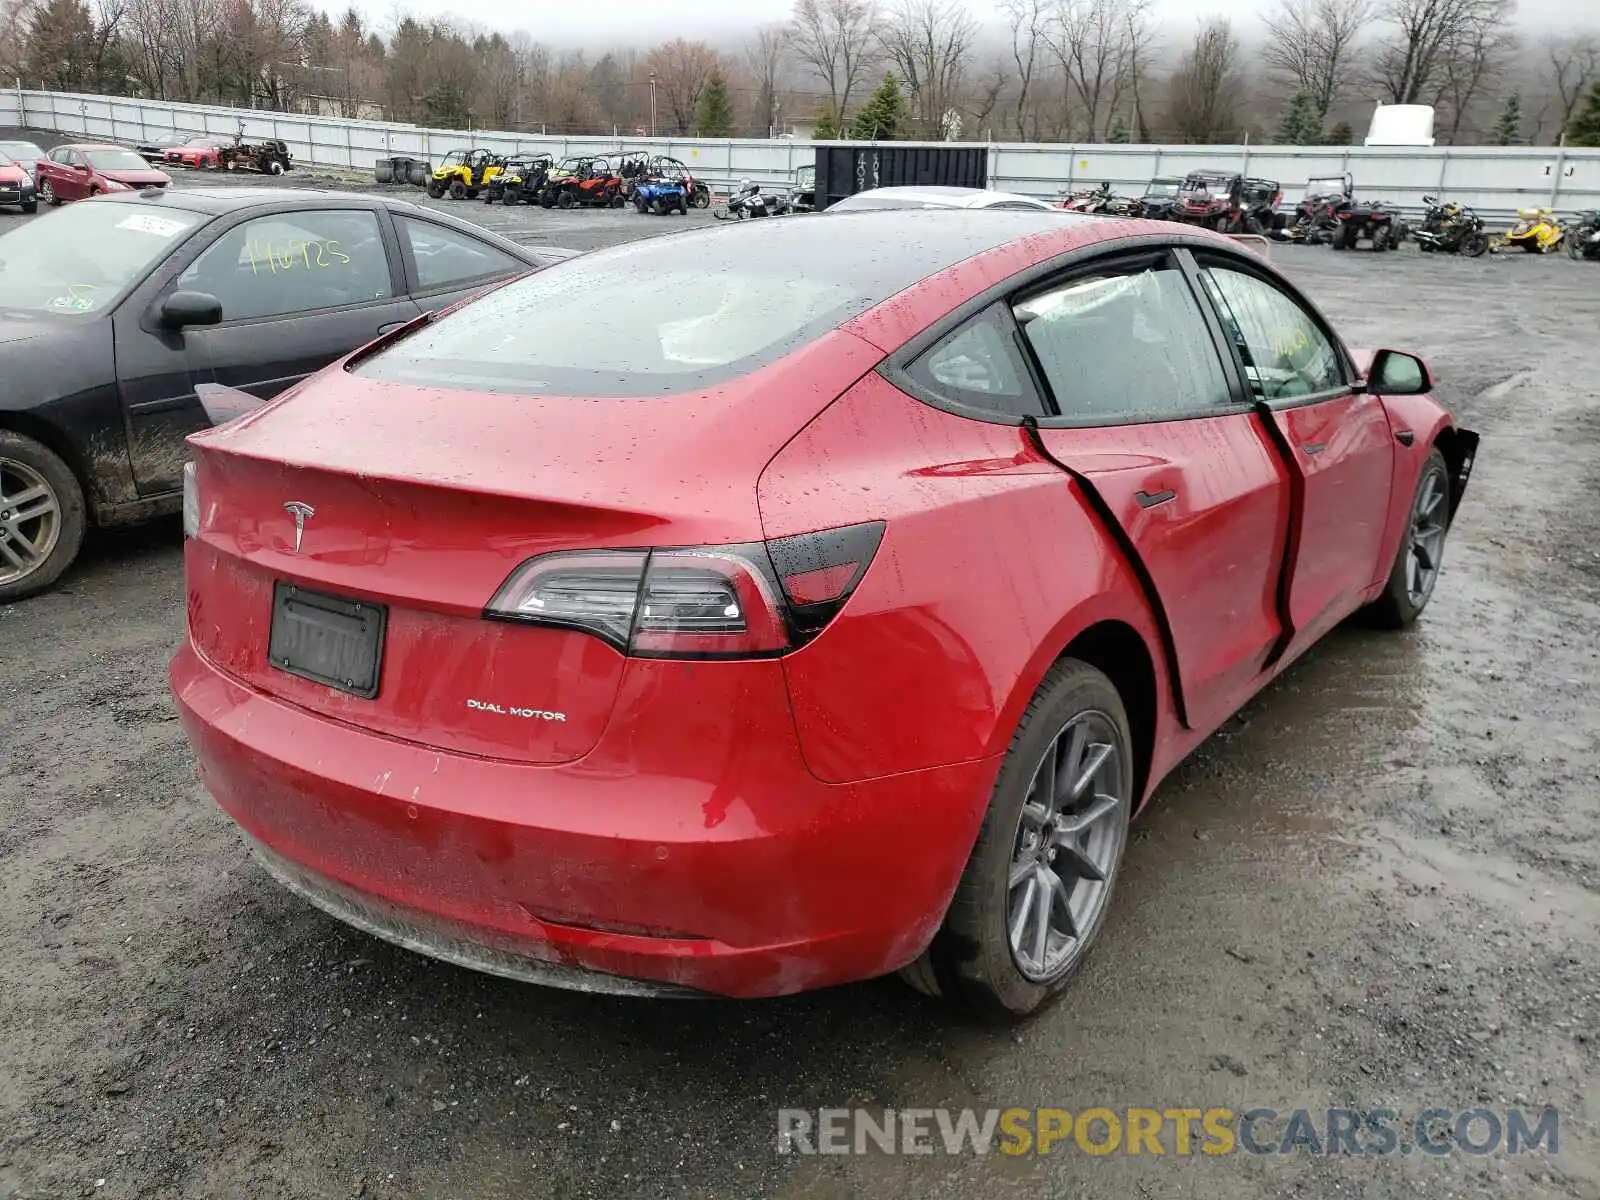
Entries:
{"x":830,"y":620}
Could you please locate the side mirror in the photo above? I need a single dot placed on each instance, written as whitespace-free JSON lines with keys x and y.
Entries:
{"x":1395,"y":373}
{"x":182,"y":309}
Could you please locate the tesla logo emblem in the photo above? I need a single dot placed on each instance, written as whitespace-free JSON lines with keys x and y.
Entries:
{"x":299,"y":512}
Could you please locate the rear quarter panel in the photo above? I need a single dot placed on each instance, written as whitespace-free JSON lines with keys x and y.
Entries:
{"x":989,"y":566}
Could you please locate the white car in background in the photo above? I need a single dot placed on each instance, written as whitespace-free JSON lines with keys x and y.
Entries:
{"x":935,"y":197}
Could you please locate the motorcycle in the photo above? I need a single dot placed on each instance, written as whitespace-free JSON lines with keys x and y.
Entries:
{"x":1102,"y":201}
{"x":1537,"y":231}
{"x":1583,"y":235}
{"x":750,"y":201}
{"x":1450,"y":229}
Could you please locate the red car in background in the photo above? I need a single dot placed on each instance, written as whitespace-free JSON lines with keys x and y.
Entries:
{"x":16,"y":186}
{"x":78,"y":172}
{"x":202,"y":153}
{"x":830,"y":621}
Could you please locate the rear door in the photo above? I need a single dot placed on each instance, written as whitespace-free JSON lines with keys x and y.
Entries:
{"x":1149,"y":419}
{"x":1338,"y":440}
{"x":299,"y":289}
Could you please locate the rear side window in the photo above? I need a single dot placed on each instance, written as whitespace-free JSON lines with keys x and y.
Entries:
{"x":445,"y":256}
{"x":978,"y":367}
{"x":1125,"y":346}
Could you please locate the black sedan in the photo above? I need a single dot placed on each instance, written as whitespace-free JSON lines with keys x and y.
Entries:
{"x":113,"y":312}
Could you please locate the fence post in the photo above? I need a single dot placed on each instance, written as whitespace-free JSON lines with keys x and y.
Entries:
{"x":1245,"y":167}
{"x":1561,"y":161}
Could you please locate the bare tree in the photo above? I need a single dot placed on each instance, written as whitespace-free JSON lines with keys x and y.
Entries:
{"x":682,"y":70}
{"x":767,"y":56}
{"x":1413,"y":56}
{"x":928,"y":41}
{"x":1201,"y":104}
{"x":1310,"y":44}
{"x":1028,"y":21}
{"x":838,"y":41}
{"x":1097,"y":42}
{"x":1473,"y":55}
{"x":1575,"y":61}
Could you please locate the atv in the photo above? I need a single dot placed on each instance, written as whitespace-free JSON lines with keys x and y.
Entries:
{"x":1227,"y":202}
{"x":591,"y":182}
{"x":1160,"y":195}
{"x":464,"y":173}
{"x":270,"y":156}
{"x":1366,"y":220}
{"x":520,"y":181}
{"x":1314,"y":221}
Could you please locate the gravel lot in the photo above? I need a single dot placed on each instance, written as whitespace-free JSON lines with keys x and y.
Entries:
{"x":1378,"y":887}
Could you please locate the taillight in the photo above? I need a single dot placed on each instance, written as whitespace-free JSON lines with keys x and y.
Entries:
{"x":754,"y":600}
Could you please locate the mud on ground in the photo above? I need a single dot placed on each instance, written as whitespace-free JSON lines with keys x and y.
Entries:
{"x":1377,"y":887}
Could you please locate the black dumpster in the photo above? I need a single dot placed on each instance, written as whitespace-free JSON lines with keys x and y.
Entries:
{"x":845,"y":170}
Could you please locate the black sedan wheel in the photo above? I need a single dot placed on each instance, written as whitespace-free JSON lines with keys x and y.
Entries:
{"x":41,"y":517}
{"x":1416,"y":565}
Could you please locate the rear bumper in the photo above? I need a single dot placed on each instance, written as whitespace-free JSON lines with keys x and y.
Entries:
{"x":690,"y":851}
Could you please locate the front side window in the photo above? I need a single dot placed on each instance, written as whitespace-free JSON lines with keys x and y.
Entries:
{"x":293,"y":262}
{"x":1125,"y":346}
{"x":446,"y":256}
{"x":978,"y":367}
{"x":1284,"y":350}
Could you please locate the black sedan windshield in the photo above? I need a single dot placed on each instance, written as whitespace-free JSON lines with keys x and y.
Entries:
{"x":81,"y":259}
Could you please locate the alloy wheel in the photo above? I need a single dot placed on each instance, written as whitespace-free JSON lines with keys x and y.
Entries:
{"x":1069,"y":840}
{"x":1429,"y":524}
{"x":30,"y":520}
{"x":47,"y":192}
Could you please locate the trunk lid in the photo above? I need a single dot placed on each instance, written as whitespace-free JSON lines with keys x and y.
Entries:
{"x":424,"y":501}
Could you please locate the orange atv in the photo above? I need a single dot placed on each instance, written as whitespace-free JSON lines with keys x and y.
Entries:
{"x":590,"y":182}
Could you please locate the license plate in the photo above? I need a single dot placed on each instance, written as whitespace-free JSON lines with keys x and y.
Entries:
{"x":328,"y":639}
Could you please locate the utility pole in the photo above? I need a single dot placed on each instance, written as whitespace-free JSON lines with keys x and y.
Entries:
{"x":652,"y":104}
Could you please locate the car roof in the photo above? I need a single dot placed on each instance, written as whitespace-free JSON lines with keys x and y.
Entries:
{"x":875,"y":252}
{"x":221,"y":199}
{"x":91,"y":146}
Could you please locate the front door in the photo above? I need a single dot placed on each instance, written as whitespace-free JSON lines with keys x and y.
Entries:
{"x":298,"y":290}
{"x":1180,"y":463}
{"x":1339,"y":442}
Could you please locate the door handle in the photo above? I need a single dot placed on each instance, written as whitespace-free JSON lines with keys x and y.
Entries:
{"x":389,"y":328}
{"x":1151,"y":499}
{"x":1314,"y":447}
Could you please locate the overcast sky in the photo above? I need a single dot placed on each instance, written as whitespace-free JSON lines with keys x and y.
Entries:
{"x":644,"y":22}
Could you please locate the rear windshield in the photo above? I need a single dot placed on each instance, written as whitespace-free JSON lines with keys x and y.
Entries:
{"x":116,"y":160}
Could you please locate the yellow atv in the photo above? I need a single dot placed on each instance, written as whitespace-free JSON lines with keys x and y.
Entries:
{"x":1536,"y":231}
{"x":463,"y":174}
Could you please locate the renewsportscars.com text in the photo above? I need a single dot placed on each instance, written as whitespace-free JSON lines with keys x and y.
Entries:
{"x":1369,"y":1132}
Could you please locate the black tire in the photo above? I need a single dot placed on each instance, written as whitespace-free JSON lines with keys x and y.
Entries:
{"x":458,"y":190}
{"x":435,"y":189}
{"x":1380,"y":238}
{"x":1401,"y":604}
{"x":1573,"y":242}
{"x":564,"y":198}
{"x":1475,"y":244}
{"x":511,"y":197}
{"x":639,"y":204}
{"x":384,"y":172}
{"x":683,"y":205}
{"x":970,"y":960}
{"x":1347,"y":236}
{"x":71,"y":516}
{"x":274,"y":167}
{"x":701,"y":197}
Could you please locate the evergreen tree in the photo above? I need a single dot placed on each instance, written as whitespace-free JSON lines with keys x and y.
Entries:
{"x":1508,"y":126}
{"x":880,"y":119}
{"x":1118,"y":134}
{"x":827,"y":127}
{"x":1341,"y":134}
{"x":715,"y":118}
{"x":1584,"y":128}
{"x":1300,"y":125}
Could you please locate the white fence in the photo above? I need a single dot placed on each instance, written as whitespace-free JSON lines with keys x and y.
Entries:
{"x":1494,"y":180}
